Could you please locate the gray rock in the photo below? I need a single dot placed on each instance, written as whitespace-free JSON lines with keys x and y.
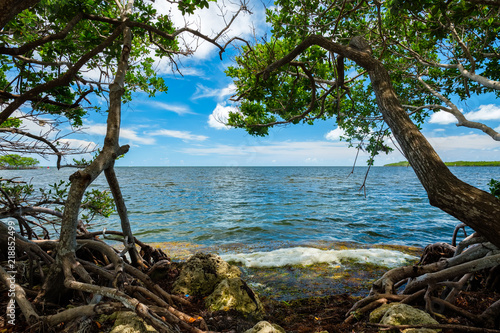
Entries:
{"x":234,"y":294}
{"x":265,"y":327}
{"x":403,"y":314}
{"x":201,"y":273}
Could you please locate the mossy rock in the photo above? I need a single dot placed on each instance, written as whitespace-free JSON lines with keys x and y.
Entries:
{"x":234,"y":294}
{"x":403,"y":314}
{"x":265,"y":327}
{"x":201,"y":273}
{"x":129,"y":322}
{"x":377,"y":314}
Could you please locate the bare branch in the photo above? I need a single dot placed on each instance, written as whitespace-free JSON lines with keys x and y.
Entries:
{"x":453,"y":109}
{"x":43,"y":63}
{"x":36,"y":137}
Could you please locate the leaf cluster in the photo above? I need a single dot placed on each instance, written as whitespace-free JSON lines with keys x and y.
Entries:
{"x":495,"y":187}
{"x":413,"y":39}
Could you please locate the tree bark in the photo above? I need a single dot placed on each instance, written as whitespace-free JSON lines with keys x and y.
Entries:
{"x":474,"y":207}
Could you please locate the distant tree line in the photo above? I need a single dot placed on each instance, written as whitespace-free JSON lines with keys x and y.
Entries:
{"x":14,"y":161}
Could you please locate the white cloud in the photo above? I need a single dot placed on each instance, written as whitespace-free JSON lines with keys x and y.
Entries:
{"x":97,"y":129}
{"x":184,"y":135}
{"x":219,"y":117}
{"x":131,"y":135}
{"x":443,"y":118}
{"x":37,"y":126}
{"x":219,"y":94}
{"x":280,"y":153}
{"x":464,"y":142}
{"x":335,"y":134}
{"x":125,"y":133}
{"x":179,"y":109}
{"x":485,"y":112}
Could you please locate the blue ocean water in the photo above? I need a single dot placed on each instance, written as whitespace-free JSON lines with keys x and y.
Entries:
{"x":213,"y":206}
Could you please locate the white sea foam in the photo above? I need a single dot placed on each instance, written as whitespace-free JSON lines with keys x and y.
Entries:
{"x":307,"y":256}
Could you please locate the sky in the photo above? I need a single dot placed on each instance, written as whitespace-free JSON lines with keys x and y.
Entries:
{"x":181,"y":127}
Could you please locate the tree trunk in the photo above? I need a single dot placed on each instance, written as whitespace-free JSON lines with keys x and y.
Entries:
{"x":81,"y":179}
{"x":476,"y":208}
{"x":121,"y":208}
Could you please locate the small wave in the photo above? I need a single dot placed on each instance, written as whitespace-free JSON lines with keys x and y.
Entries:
{"x":308,"y":256}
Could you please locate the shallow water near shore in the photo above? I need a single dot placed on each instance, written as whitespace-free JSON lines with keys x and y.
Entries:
{"x":286,"y":271}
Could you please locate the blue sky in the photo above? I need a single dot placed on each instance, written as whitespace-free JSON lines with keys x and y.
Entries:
{"x":180,"y":128}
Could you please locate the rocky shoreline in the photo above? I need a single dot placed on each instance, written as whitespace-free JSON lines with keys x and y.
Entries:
{"x":228,"y":304}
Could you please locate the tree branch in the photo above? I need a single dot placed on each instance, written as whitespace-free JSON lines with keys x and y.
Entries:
{"x":62,"y":80}
{"x":44,"y":40}
{"x":453,"y":109}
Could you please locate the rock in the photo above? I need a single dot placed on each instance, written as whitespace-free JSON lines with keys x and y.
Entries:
{"x":129,"y":322}
{"x":201,"y":273}
{"x":403,"y":314}
{"x":265,"y":327}
{"x":234,"y":294}
{"x":377,"y":314}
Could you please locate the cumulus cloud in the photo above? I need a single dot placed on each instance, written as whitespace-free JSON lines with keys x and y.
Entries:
{"x":219,"y":117}
{"x":277,"y":153}
{"x":442,"y":118}
{"x":184,"y":135}
{"x":463,"y":142}
{"x":305,"y":149}
{"x":125,"y":133}
{"x":484,"y":112}
{"x":78,"y":144}
{"x":335,"y":134}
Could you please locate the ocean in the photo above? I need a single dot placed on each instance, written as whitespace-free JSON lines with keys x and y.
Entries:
{"x":256,"y":205}
{"x":278,"y":216}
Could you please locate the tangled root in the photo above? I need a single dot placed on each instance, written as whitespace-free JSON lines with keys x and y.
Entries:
{"x":98,"y":279}
{"x":436,"y":281}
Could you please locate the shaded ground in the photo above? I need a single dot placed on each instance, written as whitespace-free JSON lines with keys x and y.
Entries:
{"x":315,"y":314}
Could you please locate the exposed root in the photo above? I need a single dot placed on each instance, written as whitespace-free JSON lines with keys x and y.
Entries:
{"x":443,"y":272}
{"x":97,"y":280}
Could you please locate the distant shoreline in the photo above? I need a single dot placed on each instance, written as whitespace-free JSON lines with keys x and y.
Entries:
{"x":19,"y":168}
{"x":457,"y":163}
